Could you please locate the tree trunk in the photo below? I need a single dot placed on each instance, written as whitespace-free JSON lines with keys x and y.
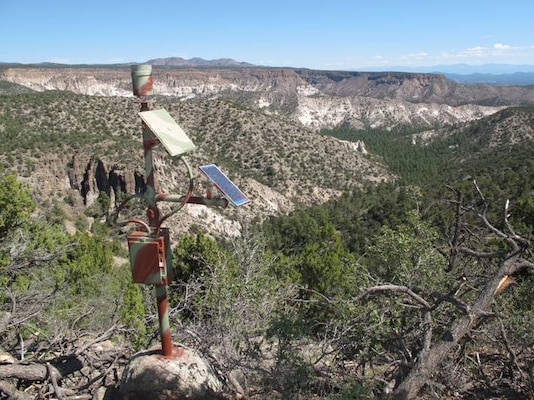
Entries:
{"x":429,"y":361}
{"x":39,"y":371}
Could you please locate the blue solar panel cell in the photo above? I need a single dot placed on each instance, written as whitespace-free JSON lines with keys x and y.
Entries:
{"x":225,"y":185}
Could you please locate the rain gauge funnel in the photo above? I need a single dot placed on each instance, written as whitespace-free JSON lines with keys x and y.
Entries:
{"x":142,"y":80}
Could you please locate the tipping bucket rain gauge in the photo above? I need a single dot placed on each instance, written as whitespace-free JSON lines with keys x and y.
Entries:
{"x":149,"y":244}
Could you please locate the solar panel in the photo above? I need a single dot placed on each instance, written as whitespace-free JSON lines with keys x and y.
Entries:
{"x":168,"y":132}
{"x":225,"y":185}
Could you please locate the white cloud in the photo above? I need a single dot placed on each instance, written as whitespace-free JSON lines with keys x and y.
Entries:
{"x":502,"y":46}
{"x":413,"y":57}
{"x":494,"y":53}
{"x":498,"y":53}
{"x":421,"y":54}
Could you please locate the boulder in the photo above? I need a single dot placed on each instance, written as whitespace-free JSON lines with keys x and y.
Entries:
{"x":183,"y":375}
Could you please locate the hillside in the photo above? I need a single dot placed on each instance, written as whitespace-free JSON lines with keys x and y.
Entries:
{"x":508,"y":127}
{"x":496,"y":151}
{"x":60,"y":142}
{"x":258,"y":124}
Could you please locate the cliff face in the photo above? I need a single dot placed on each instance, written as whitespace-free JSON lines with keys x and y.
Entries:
{"x":316,"y":99}
{"x":182,"y":82}
{"x":91,"y":175}
{"x":91,"y":81}
{"x":70,"y":149}
{"x":384,"y":85}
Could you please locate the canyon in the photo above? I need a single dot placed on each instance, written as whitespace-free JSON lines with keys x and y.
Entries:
{"x":315,"y":99}
{"x":262,"y":125}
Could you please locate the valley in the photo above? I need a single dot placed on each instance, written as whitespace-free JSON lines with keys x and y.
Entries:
{"x":260,"y":124}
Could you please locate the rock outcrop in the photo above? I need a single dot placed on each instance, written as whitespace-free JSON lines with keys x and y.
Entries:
{"x":90,"y":176}
{"x":184,"y":375}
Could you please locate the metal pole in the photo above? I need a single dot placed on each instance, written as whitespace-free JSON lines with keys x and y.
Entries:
{"x":164,"y":326}
{"x":154,"y":223}
{"x":150,"y":194}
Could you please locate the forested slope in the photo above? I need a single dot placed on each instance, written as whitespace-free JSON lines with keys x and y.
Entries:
{"x":419,"y":287}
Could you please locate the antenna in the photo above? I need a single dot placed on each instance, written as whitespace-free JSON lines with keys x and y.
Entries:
{"x":168,"y":132}
{"x":225,"y":185}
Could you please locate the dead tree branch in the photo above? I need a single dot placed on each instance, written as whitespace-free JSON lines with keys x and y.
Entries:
{"x":12,"y":392}
{"x":396,"y":289}
{"x":508,"y":262}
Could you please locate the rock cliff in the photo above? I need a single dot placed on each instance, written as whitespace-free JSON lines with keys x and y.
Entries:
{"x":91,"y":175}
{"x":316,"y":99}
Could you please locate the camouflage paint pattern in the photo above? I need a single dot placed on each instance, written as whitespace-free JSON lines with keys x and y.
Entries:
{"x":148,"y":258}
{"x":149,"y":246}
{"x":150,"y":253}
{"x":164,"y":326}
{"x":142,"y":80}
{"x":205,"y":201}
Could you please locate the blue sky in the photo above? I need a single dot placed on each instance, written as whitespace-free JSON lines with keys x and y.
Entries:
{"x":328,"y":34}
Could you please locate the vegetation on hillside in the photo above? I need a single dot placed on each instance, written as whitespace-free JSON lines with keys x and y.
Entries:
{"x":398,"y":288}
{"x":59,"y":293}
{"x":50,"y":127}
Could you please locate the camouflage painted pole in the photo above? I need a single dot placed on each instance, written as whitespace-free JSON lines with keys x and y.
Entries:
{"x":149,"y":244}
{"x":153,"y":215}
{"x":142,"y":83}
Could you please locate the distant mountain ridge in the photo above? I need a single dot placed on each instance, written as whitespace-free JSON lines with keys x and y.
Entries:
{"x":159,"y":62}
{"x":517,"y":78}
{"x":490,"y":74}
{"x":315,"y":99}
{"x":463,"y":69}
{"x":453,"y":69}
{"x":197,"y":62}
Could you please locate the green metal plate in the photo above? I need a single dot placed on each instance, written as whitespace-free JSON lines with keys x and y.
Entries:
{"x":168,"y":132}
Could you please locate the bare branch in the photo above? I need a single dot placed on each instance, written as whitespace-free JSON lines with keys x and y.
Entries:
{"x":12,"y":392}
{"x":29,"y":372}
{"x":450,"y":298}
{"x":478,"y":254}
{"x":517,"y":266}
{"x":524,"y":242}
{"x":479,"y":191}
{"x":106,"y":335}
{"x":52,"y":375}
{"x":397,"y":289}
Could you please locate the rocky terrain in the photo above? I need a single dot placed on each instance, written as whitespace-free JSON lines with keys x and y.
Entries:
{"x":316,"y":99}
{"x":71,"y":148}
{"x":76,"y":134}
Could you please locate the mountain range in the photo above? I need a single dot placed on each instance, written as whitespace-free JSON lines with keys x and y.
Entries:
{"x":446,"y":69}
